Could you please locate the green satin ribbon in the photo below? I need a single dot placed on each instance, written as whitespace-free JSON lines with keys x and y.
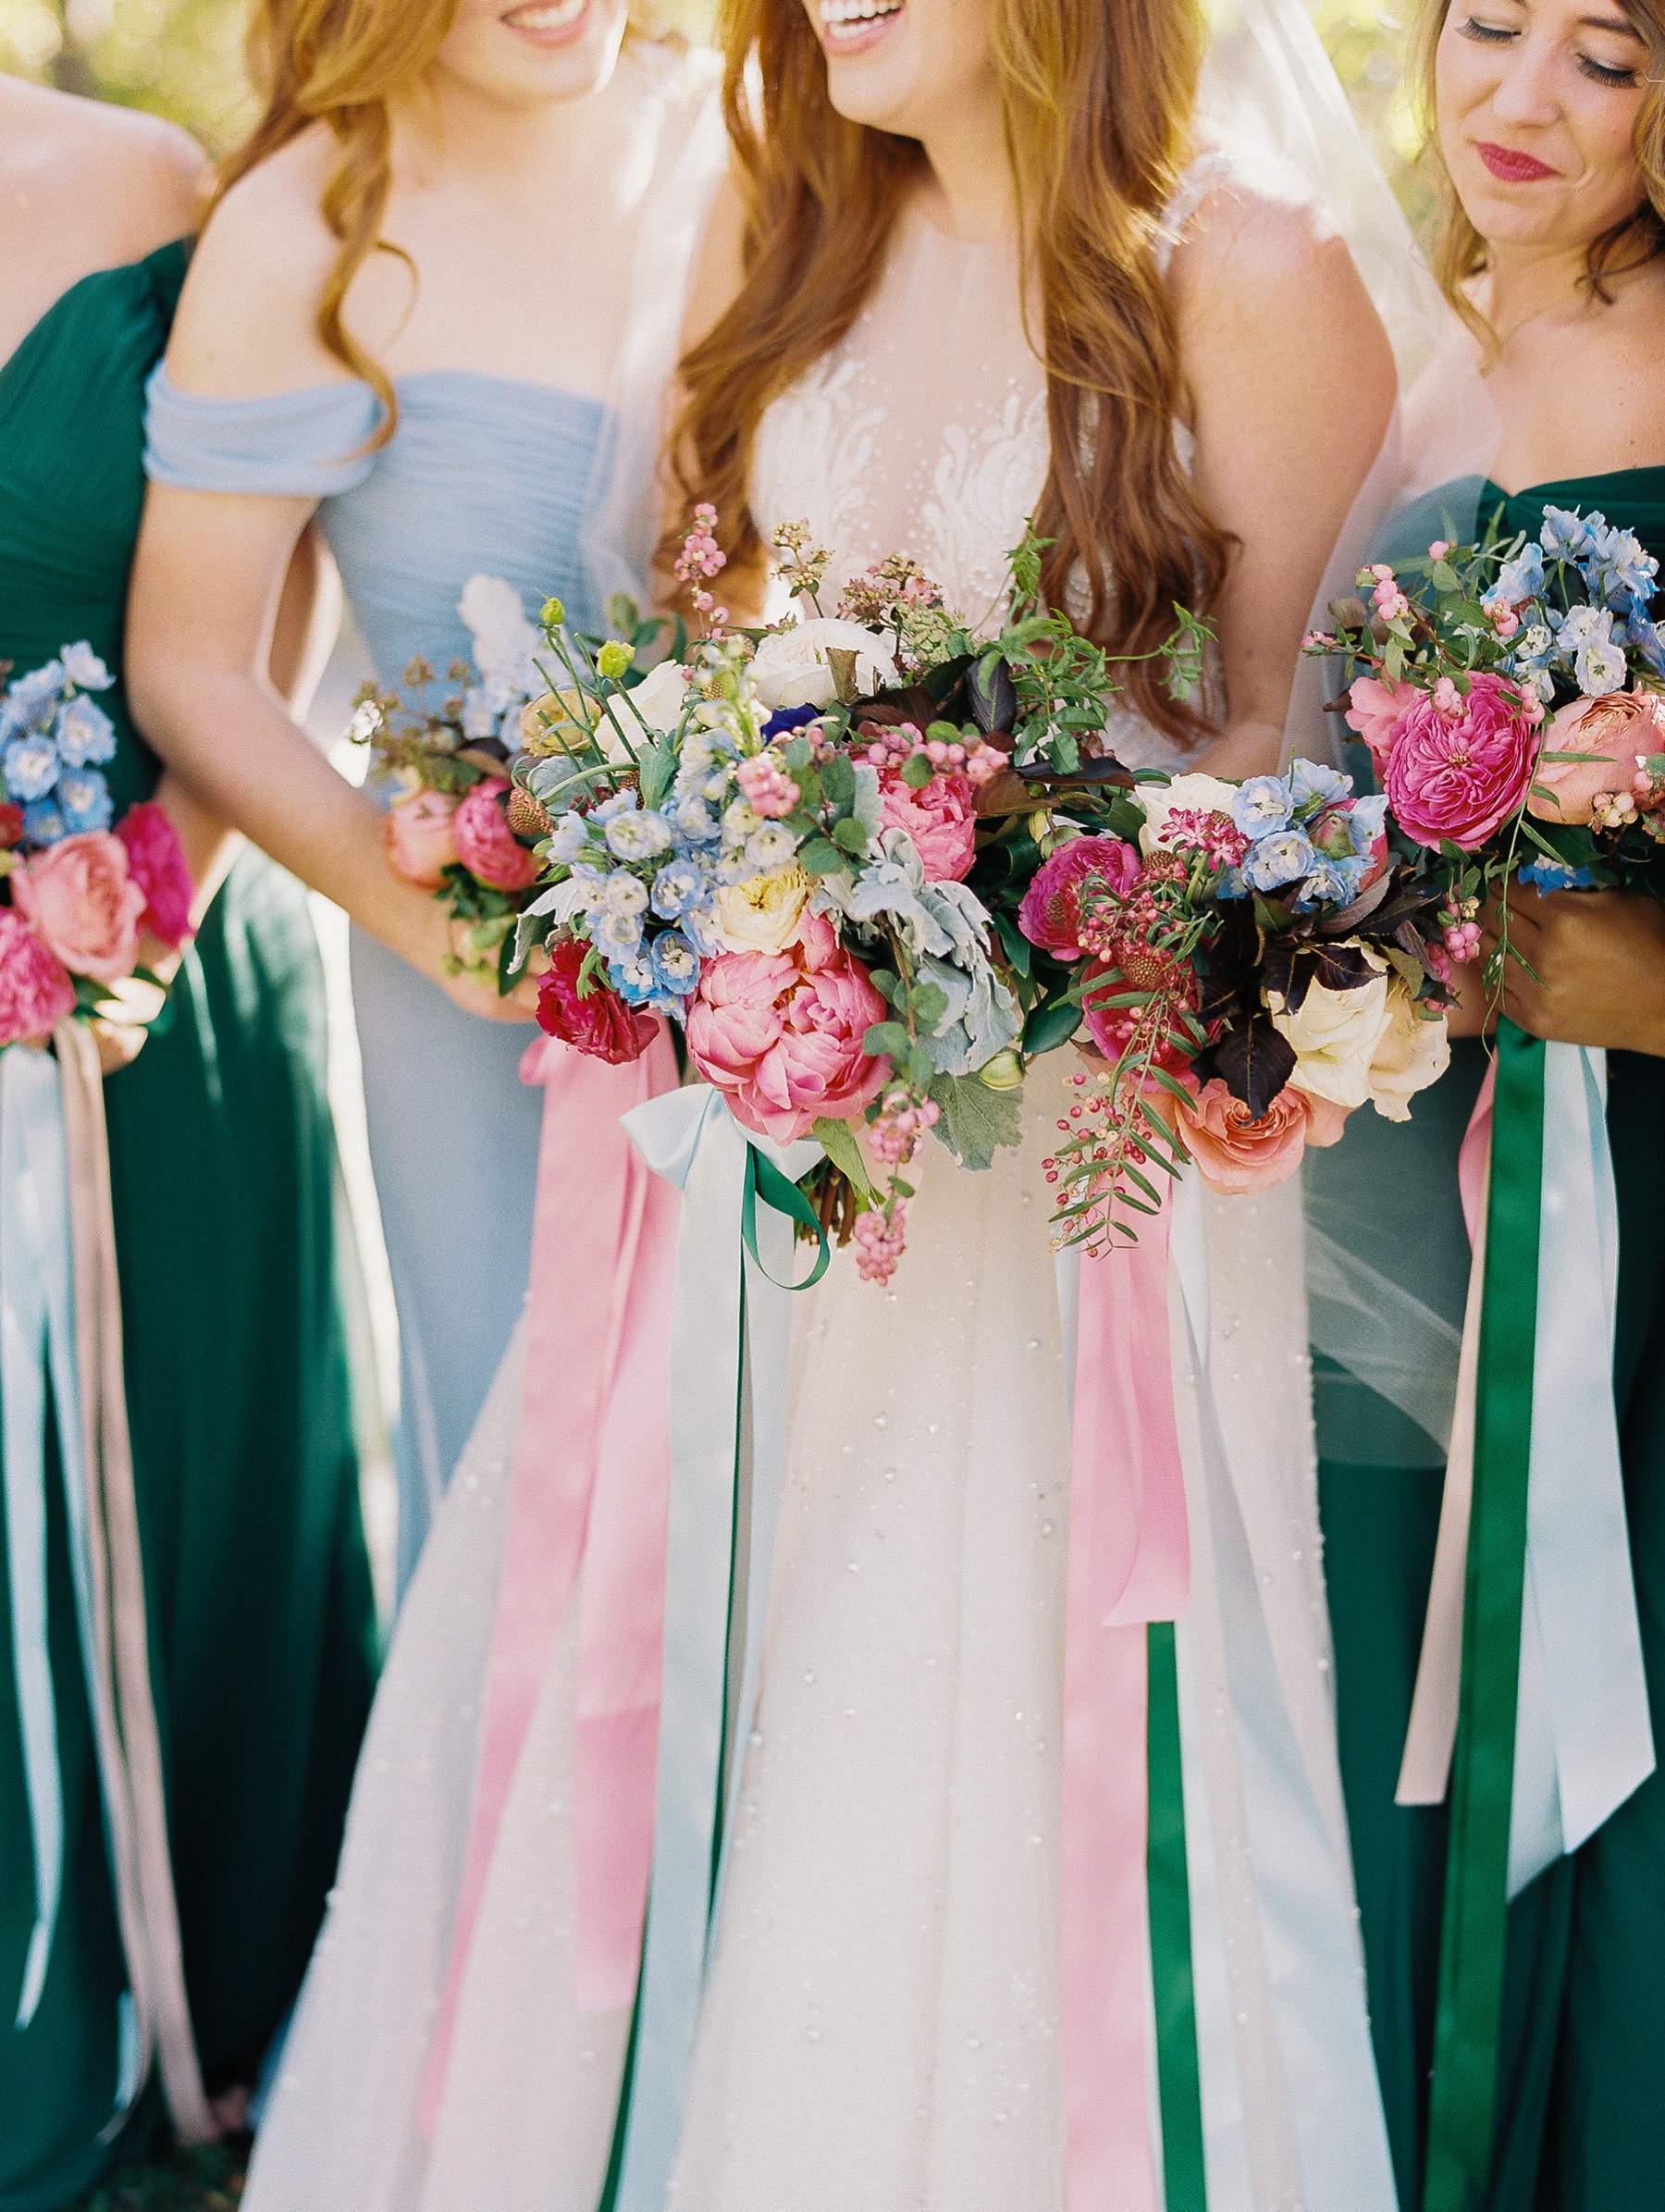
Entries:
{"x":1473,"y":1931}
{"x":1167,"y":1882}
{"x":764,"y":1180}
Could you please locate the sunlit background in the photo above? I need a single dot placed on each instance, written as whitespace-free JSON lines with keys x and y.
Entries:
{"x":183,"y":58}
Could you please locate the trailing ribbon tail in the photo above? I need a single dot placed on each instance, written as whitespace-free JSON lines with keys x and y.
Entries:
{"x":729,"y":1332}
{"x":589,"y":1484}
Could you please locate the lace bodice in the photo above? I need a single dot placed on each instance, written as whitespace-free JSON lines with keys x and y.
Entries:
{"x":924,"y":431}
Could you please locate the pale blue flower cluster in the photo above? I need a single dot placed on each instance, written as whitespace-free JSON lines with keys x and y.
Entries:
{"x":1307,"y":829}
{"x":492,"y":707}
{"x":53,"y":742}
{"x":1592,"y":644}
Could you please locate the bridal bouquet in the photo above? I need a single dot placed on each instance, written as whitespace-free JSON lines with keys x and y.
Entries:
{"x":456,"y":825}
{"x":870,"y":864}
{"x":1483,"y":769}
{"x":74,"y":896}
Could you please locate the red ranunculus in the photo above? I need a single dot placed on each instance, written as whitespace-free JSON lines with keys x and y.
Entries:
{"x":597,"y":1022}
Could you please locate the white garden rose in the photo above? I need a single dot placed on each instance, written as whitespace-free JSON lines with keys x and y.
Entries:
{"x":1413,"y":1051}
{"x":763,"y":913}
{"x":1334,"y":1034}
{"x":659,"y":698}
{"x":1196,"y":794}
{"x":790,"y":667}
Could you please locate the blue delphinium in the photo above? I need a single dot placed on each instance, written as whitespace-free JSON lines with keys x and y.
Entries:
{"x":83,"y":799}
{"x":42,"y":824}
{"x":31,"y":766}
{"x":1554,"y":875}
{"x":85,"y":733}
{"x":1261,"y":806}
{"x":1283,"y":858}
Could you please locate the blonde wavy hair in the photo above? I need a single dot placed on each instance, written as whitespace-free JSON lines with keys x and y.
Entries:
{"x":1458,"y":251}
{"x":1097,"y":98}
{"x":344,"y":63}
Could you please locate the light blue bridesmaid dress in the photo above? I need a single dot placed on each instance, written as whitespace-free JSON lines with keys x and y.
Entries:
{"x":486,"y":474}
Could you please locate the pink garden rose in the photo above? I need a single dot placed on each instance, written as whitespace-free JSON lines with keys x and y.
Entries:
{"x":1050,"y":913}
{"x":1376,"y":711}
{"x":157,"y":863}
{"x":486,"y":844}
{"x":1615,"y":731}
{"x":1236,"y":1154}
{"x":940,"y":818}
{"x":84,"y":906}
{"x":1457,"y":771}
{"x":35,"y":993}
{"x":600,"y":1022}
{"x":419,"y":839}
{"x":780,"y":1033}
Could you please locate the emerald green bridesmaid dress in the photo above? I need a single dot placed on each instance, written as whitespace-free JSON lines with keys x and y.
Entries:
{"x":1581,"y":2106}
{"x":231,"y":1245}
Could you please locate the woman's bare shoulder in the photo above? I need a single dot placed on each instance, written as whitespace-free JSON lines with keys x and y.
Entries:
{"x":248,"y":318}
{"x":107,"y":184}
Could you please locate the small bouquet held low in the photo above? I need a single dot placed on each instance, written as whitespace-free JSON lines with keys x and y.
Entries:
{"x":1513,"y":701}
{"x":76,"y":895}
{"x":873,"y":864}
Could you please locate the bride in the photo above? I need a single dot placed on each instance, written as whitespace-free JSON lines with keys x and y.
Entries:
{"x":914,"y":342}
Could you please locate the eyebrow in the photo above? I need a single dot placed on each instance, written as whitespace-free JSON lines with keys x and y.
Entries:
{"x":1618,"y":24}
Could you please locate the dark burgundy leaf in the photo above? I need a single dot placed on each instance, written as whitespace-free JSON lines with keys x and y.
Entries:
{"x":1337,"y":967}
{"x":993,"y":698}
{"x":1255,"y":1063}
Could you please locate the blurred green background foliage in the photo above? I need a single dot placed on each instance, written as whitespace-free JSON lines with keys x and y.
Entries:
{"x":183,"y":58}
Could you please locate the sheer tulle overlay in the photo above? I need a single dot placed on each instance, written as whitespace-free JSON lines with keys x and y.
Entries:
{"x":881,"y":2025}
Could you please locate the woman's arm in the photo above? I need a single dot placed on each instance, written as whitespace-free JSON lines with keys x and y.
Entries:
{"x":204,"y":610}
{"x":1291,"y":386}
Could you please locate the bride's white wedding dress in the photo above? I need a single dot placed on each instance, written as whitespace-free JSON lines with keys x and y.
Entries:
{"x":881,"y":2028}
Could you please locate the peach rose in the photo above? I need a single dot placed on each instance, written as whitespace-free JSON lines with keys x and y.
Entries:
{"x":418,"y":840}
{"x":83,"y":905}
{"x":1613,"y":732}
{"x":1237,"y":1153}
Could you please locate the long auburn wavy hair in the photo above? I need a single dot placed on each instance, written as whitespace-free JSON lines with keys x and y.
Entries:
{"x":1458,"y":251}
{"x":1097,"y":98}
{"x":344,"y":63}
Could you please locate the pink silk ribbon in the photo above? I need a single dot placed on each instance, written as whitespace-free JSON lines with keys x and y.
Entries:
{"x":1130,"y":1564}
{"x":591,"y":1485}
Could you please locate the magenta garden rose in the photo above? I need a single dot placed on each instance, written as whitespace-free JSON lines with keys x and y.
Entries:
{"x":35,"y":990}
{"x":1050,"y":913}
{"x":780,"y":1033}
{"x":157,"y":863}
{"x":486,"y":844}
{"x":1461,"y":765}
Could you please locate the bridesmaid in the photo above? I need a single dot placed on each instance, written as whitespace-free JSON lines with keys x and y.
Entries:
{"x":1548,"y":122}
{"x":225,"y":1189}
{"x":399,"y":321}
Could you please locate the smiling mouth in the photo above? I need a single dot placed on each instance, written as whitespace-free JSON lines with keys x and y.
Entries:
{"x":851,"y":26}
{"x":549,"y":21}
{"x":1512,"y":165}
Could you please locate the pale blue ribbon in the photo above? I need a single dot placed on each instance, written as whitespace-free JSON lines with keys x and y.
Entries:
{"x":37,"y":1340}
{"x":731,"y":1327}
{"x":1584,"y":1740}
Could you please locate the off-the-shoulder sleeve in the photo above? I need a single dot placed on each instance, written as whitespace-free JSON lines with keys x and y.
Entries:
{"x":307,"y":444}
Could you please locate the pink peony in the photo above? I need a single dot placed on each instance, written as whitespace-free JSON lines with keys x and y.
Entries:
{"x":35,"y":993}
{"x":940,"y":818}
{"x":1236,"y":1154}
{"x":1377,"y":709}
{"x":83,"y":904}
{"x":600,"y":1022}
{"x":486,"y":844}
{"x":419,"y":839}
{"x":157,"y":863}
{"x":1458,"y":774}
{"x":1050,"y":913}
{"x":780,"y":1033}
{"x":1613,"y":730}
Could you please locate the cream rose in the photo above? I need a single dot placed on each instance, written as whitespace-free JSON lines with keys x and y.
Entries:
{"x":659,"y":698}
{"x":763,"y":914}
{"x":1335,"y":1035}
{"x":1411,"y":1052}
{"x":790,"y":667}
{"x":1196,"y":794}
